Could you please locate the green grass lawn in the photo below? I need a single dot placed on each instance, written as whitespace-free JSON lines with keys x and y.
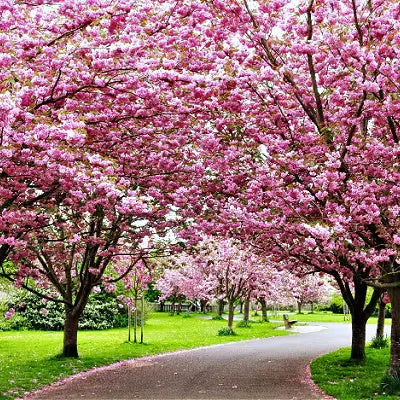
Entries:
{"x":325,"y":316}
{"x":29,"y":359}
{"x":344,"y":380}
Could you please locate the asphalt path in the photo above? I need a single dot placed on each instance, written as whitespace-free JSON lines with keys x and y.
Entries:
{"x":271,"y":368}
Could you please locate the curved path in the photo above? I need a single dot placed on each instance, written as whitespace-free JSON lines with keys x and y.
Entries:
{"x":271,"y":368}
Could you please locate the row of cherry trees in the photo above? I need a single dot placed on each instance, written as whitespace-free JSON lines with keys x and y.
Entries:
{"x":223,"y":271}
{"x":273,"y":122}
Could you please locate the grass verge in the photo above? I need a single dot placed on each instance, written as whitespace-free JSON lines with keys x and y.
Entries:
{"x":336,"y":375}
{"x":29,"y":359}
{"x":326,"y":316}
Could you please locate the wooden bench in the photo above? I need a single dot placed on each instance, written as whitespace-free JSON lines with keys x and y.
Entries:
{"x":288,"y":323}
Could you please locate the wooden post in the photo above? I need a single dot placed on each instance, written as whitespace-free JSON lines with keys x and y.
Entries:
{"x":142,"y":321}
{"x":135,"y":321}
{"x":129,"y":322}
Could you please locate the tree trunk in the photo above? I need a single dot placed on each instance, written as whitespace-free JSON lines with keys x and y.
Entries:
{"x":312,"y":308}
{"x":358,"y":325}
{"x":162,"y":306}
{"x":263,"y":303}
{"x":230,"y":315}
{"x":142,"y":321}
{"x":359,"y":310}
{"x":203,"y":305}
{"x":220,"y":309}
{"x":129,"y":322}
{"x":241,"y":307}
{"x":246,"y":310}
{"x":135,"y":320}
{"x":299,"y":304}
{"x":179,"y":306}
{"x":394,"y":366}
{"x":70,"y":348}
{"x":380,"y":327}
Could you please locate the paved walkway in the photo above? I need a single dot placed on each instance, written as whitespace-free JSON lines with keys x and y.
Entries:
{"x":271,"y":368}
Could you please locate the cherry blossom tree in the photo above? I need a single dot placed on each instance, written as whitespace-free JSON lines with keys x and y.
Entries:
{"x":190,"y":276}
{"x":321,"y":105}
{"x":309,"y":290}
{"x":95,"y":165}
{"x":172,"y":284}
{"x":228,"y":272}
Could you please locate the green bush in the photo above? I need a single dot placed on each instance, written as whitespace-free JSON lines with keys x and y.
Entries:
{"x":243,"y":324}
{"x":336,"y":304}
{"x":101,"y":312}
{"x":226,"y":332}
{"x":390,"y":385}
{"x":388,"y":311}
{"x":379,"y":342}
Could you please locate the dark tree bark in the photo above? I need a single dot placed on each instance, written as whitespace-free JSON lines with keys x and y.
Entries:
{"x":394,"y":367}
{"x":299,"y":304}
{"x":359,"y":310}
{"x":70,"y":346}
{"x":231,"y":308}
{"x":358,"y":337}
{"x":203,"y":305}
{"x":246,"y":310}
{"x":241,"y":307}
{"x":179,"y":310}
{"x":71,"y":322}
{"x":264,"y":315}
{"x":220,"y":308}
{"x":380,"y":327}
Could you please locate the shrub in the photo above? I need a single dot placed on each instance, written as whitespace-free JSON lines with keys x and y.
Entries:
{"x":336,"y":304}
{"x":17,"y":323}
{"x":388,"y":311}
{"x":243,"y":324}
{"x":226,"y":332}
{"x":379,"y":342}
{"x":33,"y":313}
{"x":390,"y":384}
{"x":217,"y":318}
{"x":101,"y":312}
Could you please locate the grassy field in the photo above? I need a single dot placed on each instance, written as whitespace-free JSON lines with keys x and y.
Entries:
{"x":344,"y":380}
{"x":323,"y":316}
{"x":29,"y":359}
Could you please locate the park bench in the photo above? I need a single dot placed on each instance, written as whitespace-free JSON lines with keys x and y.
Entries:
{"x":288,"y":323}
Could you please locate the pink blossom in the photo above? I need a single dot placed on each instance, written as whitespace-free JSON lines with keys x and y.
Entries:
{"x":9,"y":314}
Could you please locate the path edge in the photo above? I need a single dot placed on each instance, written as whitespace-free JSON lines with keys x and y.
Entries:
{"x":314,"y":386}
